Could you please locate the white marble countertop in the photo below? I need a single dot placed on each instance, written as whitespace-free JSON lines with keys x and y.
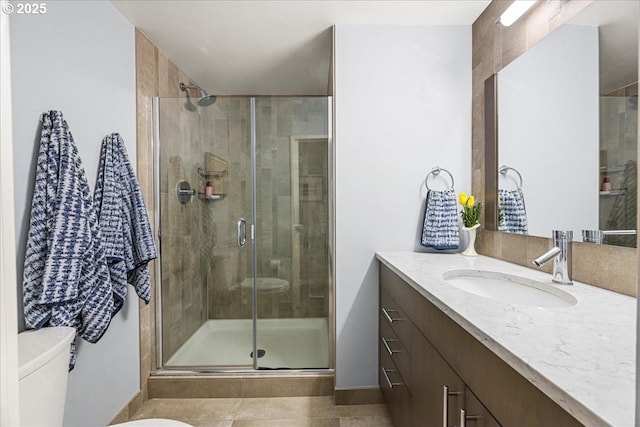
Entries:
{"x":582,"y":356}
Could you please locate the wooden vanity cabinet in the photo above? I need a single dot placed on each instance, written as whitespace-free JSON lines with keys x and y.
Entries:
{"x":475,"y":413}
{"x":437,"y":388}
{"x":394,"y":375}
{"x":395,"y":391}
{"x":426,"y":350}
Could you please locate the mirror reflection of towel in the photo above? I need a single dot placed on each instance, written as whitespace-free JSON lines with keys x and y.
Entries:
{"x":514,"y":214}
{"x":440,"y":225}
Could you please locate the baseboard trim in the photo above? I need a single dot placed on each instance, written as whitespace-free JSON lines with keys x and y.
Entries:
{"x":129,"y":409}
{"x":358,"y":396}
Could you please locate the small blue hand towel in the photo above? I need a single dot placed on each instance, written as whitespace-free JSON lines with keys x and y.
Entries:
{"x":440,"y":225}
{"x":513,"y":211}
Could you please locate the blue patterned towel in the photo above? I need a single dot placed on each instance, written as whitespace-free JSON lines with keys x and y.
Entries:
{"x":66,"y":278}
{"x":124,"y":223}
{"x":514,"y":213}
{"x":440,"y":226}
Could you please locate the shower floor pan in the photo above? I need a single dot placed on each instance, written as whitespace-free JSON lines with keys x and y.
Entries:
{"x":287,"y":344}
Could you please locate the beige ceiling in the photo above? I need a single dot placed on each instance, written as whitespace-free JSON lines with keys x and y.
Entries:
{"x":272,"y":47}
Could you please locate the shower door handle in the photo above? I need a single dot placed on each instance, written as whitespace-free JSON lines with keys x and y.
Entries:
{"x":242,"y":232}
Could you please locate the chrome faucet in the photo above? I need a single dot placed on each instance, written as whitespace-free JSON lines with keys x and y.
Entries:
{"x":593,"y":236}
{"x":561,"y":255}
{"x":597,"y":236}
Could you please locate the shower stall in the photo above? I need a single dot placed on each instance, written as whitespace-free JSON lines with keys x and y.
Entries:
{"x":619,"y":167}
{"x":244,"y":211}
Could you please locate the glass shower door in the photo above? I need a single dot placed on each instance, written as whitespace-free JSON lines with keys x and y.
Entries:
{"x":292,"y":232}
{"x":243,"y":191}
{"x":204,"y":159}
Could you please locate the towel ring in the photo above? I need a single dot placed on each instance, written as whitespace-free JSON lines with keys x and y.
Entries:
{"x":504,"y":169}
{"x":435,"y":172}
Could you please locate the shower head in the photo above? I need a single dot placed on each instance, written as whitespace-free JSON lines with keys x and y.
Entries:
{"x":205,"y":99}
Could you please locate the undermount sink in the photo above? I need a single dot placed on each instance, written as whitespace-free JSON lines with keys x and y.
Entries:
{"x":509,"y":288}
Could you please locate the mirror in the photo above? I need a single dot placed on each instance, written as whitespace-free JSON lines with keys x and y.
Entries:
{"x":567,"y":116}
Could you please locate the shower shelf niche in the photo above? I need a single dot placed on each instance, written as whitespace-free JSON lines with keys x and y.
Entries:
{"x":614,"y":192}
{"x":613,"y":168}
{"x":213,"y":172}
{"x":203,"y":197}
{"x":204,"y":172}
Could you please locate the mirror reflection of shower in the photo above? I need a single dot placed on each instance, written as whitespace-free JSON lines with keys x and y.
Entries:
{"x":204,"y":101}
{"x":618,"y":166}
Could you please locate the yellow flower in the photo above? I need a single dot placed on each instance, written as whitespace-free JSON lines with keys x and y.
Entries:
{"x":470,"y":211}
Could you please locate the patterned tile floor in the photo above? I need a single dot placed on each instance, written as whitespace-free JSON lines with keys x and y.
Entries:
{"x":266,"y":412}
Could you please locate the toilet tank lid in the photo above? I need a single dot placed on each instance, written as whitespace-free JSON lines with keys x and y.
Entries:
{"x":38,"y":346}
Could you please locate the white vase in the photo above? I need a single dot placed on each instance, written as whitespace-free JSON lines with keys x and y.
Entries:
{"x":471,"y":241}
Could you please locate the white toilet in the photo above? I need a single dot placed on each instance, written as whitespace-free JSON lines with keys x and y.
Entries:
{"x":43,"y":369}
{"x":43,"y":364}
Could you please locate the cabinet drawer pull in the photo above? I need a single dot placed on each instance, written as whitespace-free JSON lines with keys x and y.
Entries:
{"x":385,"y":372}
{"x":464,"y":418}
{"x":386,"y":345}
{"x":445,"y":404}
{"x":388,"y":316}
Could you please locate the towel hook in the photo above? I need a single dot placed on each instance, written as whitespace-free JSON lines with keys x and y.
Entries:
{"x":504,"y":169}
{"x":435,"y":172}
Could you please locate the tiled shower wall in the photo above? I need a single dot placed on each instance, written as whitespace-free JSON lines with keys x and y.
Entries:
{"x":278,"y":119}
{"x":495,"y":46}
{"x":225,"y":128}
{"x":286,"y":250}
{"x":156,"y":75}
{"x":184,"y":293}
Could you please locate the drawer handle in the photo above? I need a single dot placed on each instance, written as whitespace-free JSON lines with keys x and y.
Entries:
{"x":445,"y":404}
{"x":388,"y":316}
{"x":464,"y":418}
{"x":386,"y":345}
{"x":385,"y":372}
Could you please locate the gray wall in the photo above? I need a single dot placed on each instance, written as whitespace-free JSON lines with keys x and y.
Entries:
{"x":403,"y":106}
{"x":78,"y":57}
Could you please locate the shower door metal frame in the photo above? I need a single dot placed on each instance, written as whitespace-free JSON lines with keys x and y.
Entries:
{"x":160,"y":369}
{"x":254,"y":247}
{"x":155,"y":114}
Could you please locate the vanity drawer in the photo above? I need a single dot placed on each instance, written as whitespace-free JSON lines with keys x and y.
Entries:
{"x":395,"y":349}
{"x":392,"y":315}
{"x":396,"y":394}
